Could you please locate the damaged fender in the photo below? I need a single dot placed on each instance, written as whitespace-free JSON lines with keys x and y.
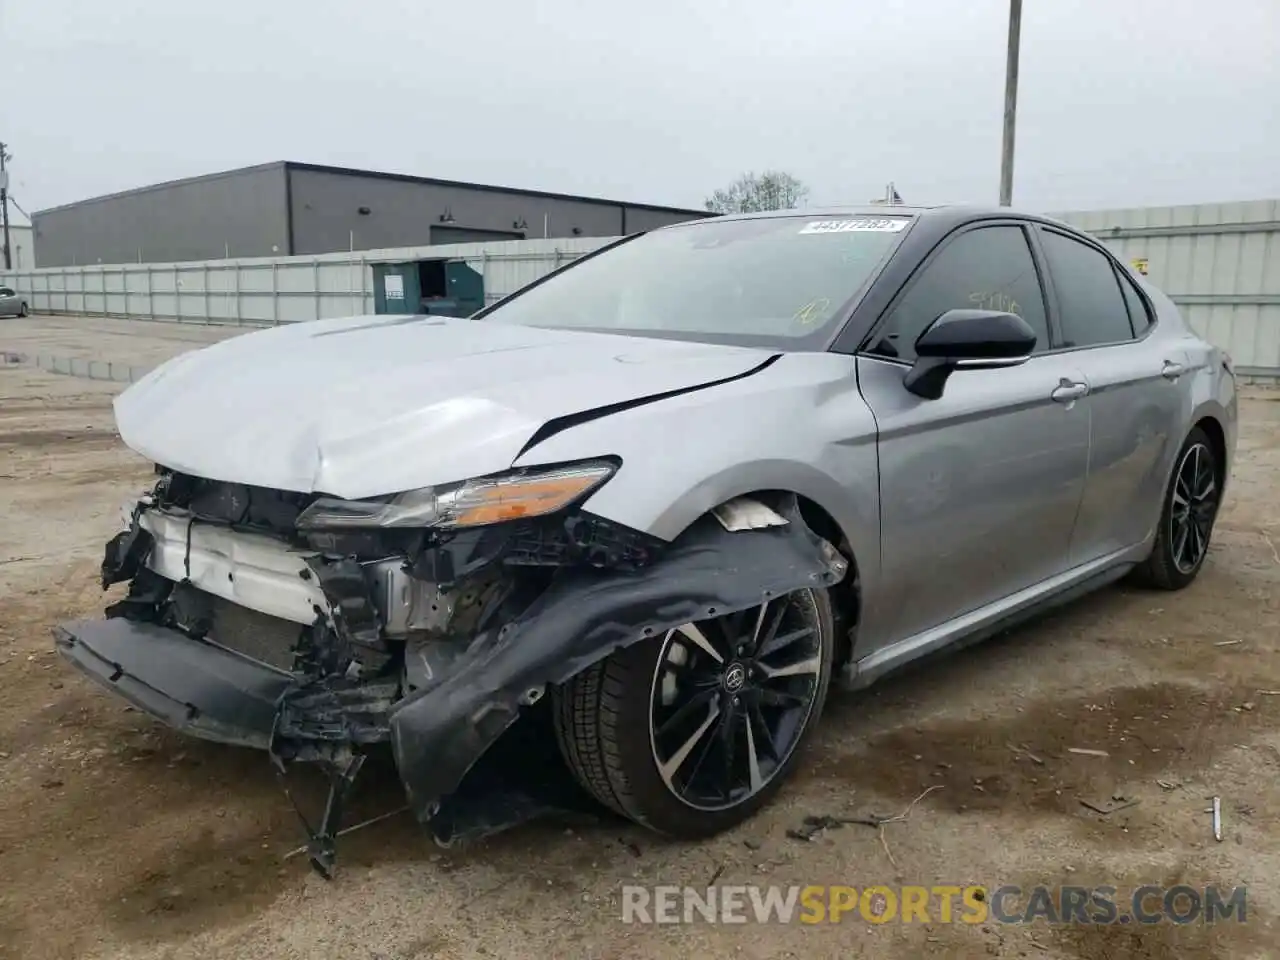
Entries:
{"x":440,"y":731}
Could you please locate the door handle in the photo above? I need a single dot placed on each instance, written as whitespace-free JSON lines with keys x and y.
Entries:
{"x":1068,"y":392}
{"x":1171,"y":370}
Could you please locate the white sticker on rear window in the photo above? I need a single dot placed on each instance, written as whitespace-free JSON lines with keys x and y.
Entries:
{"x":857,"y":224}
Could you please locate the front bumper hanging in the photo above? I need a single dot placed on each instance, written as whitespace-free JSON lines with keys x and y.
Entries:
{"x":194,"y":687}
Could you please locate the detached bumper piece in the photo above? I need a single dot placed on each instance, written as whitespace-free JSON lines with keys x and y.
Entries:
{"x":194,"y":687}
{"x":204,"y":690}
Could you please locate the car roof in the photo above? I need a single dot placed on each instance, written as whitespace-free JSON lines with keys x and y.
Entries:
{"x":868,"y":210}
{"x":952,"y":213}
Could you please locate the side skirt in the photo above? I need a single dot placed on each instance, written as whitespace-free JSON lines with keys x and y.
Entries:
{"x":986,"y":622}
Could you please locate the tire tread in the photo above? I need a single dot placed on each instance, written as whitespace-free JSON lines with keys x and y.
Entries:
{"x":586,"y":711}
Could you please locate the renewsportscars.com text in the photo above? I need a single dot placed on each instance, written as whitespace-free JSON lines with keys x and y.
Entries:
{"x":971,"y":904}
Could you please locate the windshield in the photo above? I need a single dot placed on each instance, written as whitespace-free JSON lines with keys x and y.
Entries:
{"x":777,"y":282}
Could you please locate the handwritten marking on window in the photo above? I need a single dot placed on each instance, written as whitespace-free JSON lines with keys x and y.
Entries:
{"x":997,"y":300}
{"x":813,"y":312}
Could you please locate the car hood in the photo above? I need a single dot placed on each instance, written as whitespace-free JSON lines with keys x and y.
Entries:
{"x":373,"y":405}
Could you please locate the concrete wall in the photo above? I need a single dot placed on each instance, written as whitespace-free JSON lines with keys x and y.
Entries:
{"x":404,"y":212}
{"x":1220,"y":262}
{"x":241,"y":213}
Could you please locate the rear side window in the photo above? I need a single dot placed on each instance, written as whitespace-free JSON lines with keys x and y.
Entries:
{"x":1139,"y":315}
{"x":989,"y":268}
{"x":5,"y":292}
{"x":1093,"y":308}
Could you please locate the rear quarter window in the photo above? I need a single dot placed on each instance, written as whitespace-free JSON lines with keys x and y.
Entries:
{"x":1139,"y":312}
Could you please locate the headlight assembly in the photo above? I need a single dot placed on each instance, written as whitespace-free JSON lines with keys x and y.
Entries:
{"x":474,"y":503}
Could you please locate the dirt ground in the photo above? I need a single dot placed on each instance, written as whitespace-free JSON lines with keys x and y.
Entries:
{"x":138,"y":342}
{"x":120,"y":839}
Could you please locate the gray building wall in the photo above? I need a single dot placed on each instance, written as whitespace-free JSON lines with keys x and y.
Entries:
{"x":282,"y":209}
{"x":640,"y":219}
{"x":242,"y":213}
{"x":404,"y":212}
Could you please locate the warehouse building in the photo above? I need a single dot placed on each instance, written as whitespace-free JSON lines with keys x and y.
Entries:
{"x":282,"y":209}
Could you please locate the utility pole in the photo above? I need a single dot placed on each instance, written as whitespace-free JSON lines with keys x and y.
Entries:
{"x":1010,"y":103}
{"x":4,"y":201}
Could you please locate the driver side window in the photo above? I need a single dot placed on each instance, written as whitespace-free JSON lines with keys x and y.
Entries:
{"x":989,"y":268}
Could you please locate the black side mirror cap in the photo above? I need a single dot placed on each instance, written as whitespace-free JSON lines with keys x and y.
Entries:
{"x":976,"y":335}
{"x":967,"y":339}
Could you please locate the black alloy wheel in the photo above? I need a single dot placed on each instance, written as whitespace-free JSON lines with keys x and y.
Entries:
{"x":690,"y":732}
{"x":730,"y":697}
{"x":1194,"y":504}
{"x":1187,"y":517}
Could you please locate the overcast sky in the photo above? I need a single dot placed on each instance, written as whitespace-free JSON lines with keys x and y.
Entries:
{"x":1122,"y":102}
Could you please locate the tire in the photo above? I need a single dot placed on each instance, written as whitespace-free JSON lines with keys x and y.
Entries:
{"x":607,"y":725}
{"x":1171,"y":566}
{"x":22,"y":309}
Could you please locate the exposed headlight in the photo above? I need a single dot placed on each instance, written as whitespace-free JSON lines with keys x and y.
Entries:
{"x":511,"y":496}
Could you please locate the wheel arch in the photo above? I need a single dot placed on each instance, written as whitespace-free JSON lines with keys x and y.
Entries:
{"x":1213,"y":429}
{"x":846,"y":596}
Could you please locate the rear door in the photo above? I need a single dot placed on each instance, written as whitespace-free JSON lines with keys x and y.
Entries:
{"x":979,"y":488}
{"x":8,"y":301}
{"x":1134,"y":400}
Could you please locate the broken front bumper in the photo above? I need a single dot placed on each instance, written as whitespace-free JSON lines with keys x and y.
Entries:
{"x":441,"y":704}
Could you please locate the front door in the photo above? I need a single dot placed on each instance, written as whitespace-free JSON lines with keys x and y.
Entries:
{"x":978,"y":489}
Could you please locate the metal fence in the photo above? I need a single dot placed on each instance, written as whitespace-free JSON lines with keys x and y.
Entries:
{"x":275,"y":290}
{"x":1219,"y":262}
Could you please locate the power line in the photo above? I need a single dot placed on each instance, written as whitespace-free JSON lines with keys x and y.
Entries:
{"x":14,"y":201}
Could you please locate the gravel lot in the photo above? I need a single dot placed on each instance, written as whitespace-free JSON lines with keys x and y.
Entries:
{"x":119,"y":839}
{"x":138,"y":342}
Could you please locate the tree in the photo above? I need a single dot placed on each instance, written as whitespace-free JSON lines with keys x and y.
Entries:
{"x":771,"y":190}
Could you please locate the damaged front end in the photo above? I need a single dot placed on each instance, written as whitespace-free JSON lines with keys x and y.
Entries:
{"x":315,"y":629}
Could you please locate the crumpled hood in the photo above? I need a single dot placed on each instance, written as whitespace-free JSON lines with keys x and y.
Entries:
{"x":372,"y":405}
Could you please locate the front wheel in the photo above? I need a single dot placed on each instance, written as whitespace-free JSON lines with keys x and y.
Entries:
{"x":1187,"y":518}
{"x":692,"y":732}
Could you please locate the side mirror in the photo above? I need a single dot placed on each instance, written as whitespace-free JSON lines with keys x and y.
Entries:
{"x":967,"y":340}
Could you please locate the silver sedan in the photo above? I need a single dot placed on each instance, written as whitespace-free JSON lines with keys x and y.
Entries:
{"x":652,"y":504}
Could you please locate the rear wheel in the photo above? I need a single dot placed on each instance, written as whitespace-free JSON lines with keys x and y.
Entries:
{"x":691,"y":732}
{"x":1187,"y":518}
{"x":22,"y":309}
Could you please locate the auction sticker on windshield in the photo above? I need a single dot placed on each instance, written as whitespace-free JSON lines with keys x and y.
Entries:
{"x":857,"y":224}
